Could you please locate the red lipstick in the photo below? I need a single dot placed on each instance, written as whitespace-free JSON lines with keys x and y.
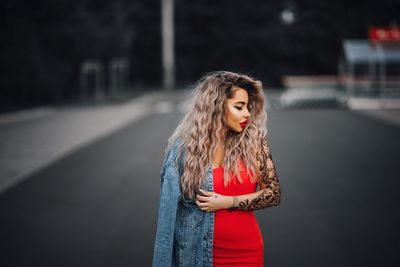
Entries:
{"x":243,"y":124}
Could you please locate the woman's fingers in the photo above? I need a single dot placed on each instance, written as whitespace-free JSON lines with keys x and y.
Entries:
{"x":204,"y":206}
{"x":202,"y":198}
{"x":206,"y":209}
{"x":201,"y":204}
{"x":207,"y":193}
{"x":206,"y":202}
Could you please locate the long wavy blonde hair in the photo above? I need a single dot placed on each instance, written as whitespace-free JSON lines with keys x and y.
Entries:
{"x":204,"y":126}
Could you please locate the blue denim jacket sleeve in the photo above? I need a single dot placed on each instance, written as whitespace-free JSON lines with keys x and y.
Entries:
{"x":169,"y":197}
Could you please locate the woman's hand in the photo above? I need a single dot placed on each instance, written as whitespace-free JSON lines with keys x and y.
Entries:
{"x":212,"y":201}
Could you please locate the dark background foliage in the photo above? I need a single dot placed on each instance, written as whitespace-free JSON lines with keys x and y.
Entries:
{"x":42,"y":42}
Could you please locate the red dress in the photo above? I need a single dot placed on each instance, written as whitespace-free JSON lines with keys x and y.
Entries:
{"x":237,"y":238}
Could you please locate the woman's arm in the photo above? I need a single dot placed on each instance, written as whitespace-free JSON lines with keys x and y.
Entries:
{"x":269,"y":194}
{"x":167,"y":210}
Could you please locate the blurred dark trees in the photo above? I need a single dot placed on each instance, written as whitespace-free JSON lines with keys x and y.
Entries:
{"x":42,"y":42}
{"x":249,"y":36}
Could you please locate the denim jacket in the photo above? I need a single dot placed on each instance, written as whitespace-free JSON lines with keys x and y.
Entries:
{"x":184,"y":234}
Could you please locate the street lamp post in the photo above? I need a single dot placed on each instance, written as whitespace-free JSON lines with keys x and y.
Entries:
{"x":167,"y":31}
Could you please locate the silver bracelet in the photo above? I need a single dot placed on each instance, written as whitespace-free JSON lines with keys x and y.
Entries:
{"x":235,"y":203}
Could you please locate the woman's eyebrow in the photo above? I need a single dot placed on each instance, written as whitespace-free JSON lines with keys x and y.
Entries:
{"x":241,"y":102}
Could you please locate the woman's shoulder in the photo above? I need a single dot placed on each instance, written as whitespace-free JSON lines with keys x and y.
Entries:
{"x":173,"y":151}
{"x":262,"y":144}
{"x":176,"y":146}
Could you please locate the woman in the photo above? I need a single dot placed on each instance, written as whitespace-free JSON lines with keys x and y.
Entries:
{"x":215,"y":159}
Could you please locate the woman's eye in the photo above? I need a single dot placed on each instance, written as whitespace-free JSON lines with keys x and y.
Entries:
{"x":239,"y":108}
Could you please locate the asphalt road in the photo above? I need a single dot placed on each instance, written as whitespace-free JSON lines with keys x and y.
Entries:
{"x":98,"y":206}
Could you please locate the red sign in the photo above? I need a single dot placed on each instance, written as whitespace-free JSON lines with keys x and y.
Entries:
{"x":384,"y":34}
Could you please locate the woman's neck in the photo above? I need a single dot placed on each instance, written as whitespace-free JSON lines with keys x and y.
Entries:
{"x":219,"y":155}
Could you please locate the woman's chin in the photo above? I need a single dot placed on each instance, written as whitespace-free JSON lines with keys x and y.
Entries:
{"x":238,"y":131}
